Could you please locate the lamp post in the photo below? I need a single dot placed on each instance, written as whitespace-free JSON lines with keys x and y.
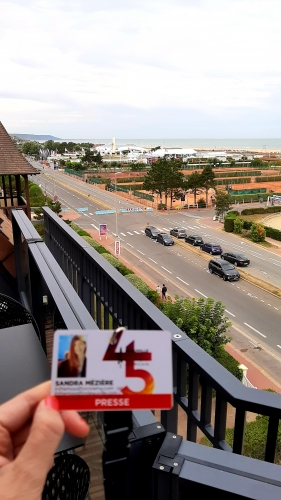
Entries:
{"x":116,"y":173}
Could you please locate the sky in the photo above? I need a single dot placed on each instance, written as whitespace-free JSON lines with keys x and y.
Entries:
{"x":141,"y":68}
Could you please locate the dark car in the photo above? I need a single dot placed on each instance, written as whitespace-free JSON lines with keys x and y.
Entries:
{"x":223,"y":269}
{"x":236,"y":258}
{"x":211,"y":248}
{"x":178,"y":232}
{"x":194,"y":240}
{"x":151,"y":232}
{"x":165,"y":239}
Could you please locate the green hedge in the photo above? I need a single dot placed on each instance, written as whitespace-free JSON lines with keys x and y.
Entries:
{"x":245,"y":173}
{"x":273,"y":233}
{"x":118,"y":265}
{"x":230,"y":363}
{"x":128,"y":180}
{"x":260,"y":210}
{"x":229,"y":224}
{"x":269,"y":179}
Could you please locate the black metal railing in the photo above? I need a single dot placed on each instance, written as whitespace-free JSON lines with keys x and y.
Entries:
{"x":42,"y":285}
{"x":160,"y":465}
{"x":202,"y":387}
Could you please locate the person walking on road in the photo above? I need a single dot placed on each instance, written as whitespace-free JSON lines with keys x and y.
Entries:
{"x":164,"y":291}
{"x":158,"y":289}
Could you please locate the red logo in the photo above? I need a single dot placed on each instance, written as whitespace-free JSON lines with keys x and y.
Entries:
{"x":130,"y":356}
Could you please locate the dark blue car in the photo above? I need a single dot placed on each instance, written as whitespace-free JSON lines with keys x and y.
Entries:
{"x":211,"y":248}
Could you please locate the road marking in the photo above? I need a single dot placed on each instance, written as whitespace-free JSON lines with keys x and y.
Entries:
{"x":249,"y":326}
{"x":182,"y":281}
{"x":130,"y":245}
{"x":153,"y":260}
{"x":228,"y":312}
{"x":276,"y":308}
{"x":123,"y":234}
{"x":166,"y":270}
{"x":201,"y":293}
{"x":142,"y":231}
{"x":140,"y":252}
{"x":131,"y":234}
{"x":95,"y":227}
{"x":90,"y":213}
{"x":136,"y":232}
{"x":279,"y":346}
{"x":165,"y":228}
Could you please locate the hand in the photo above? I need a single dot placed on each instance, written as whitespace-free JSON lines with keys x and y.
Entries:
{"x":30,"y":432}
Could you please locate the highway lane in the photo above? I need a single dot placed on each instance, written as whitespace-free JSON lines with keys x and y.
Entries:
{"x":264,"y":264}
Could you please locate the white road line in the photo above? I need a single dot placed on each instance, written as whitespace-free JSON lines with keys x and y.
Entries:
{"x":165,"y":228}
{"x":153,"y":260}
{"x":90,"y":213}
{"x":166,"y":270}
{"x":95,"y":227}
{"x":201,"y":293}
{"x":228,"y":312}
{"x":140,"y":252}
{"x":131,"y":234}
{"x":136,"y":232}
{"x":130,"y":245}
{"x":279,"y":346}
{"x":182,"y":281}
{"x":123,"y":234}
{"x":276,"y":308}
{"x":142,"y":231}
{"x":249,"y":326}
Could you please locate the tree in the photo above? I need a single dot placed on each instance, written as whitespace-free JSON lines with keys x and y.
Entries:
{"x":156,"y":179}
{"x":194,"y":183}
{"x":208,"y":180}
{"x":55,"y":206}
{"x":238,"y":226}
{"x":91,"y":158}
{"x":223,"y":202}
{"x":202,"y":320}
{"x":175,"y":180}
{"x":257,"y":232}
{"x":31,"y":148}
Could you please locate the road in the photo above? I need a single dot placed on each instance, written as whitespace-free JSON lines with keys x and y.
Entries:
{"x":253,"y":312}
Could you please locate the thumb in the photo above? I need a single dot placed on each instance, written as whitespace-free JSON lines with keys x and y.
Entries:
{"x":37,"y":454}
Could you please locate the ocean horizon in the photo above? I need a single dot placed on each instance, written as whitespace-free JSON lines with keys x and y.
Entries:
{"x":229,"y":144}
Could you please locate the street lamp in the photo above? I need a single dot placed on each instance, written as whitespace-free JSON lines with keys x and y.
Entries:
{"x":116,"y":173}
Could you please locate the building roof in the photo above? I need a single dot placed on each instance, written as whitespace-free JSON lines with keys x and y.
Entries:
{"x":11,"y":160}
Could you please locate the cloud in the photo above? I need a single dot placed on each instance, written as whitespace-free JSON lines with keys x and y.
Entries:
{"x":75,"y":63}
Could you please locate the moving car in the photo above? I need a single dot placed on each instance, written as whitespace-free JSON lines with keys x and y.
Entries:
{"x":165,"y":239}
{"x":178,"y":232}
{"x":194,"y":239}
{"x":211,"y":248}
{"x":151,"y":232}
{"x":223,"y":269}
{"x":236,"y":258}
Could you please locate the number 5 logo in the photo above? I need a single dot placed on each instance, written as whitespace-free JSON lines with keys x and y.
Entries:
{"x":130,"y":356}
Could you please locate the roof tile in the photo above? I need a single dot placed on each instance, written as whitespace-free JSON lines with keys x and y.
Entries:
{"x":11,"y":160}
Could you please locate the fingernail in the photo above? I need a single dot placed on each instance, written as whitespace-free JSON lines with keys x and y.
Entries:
{"x":52,"y":402}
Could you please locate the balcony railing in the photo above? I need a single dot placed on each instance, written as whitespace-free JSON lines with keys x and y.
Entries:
{"x":202,"y":387}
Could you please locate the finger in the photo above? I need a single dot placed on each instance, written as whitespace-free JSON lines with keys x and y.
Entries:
{"x":16,"y":412}
{"x":75,"y":424}
{"x":45,"y":434}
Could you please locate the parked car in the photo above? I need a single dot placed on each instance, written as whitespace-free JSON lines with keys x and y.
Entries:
{"x":211,"y":248}
{"x":165,"y":239}
{"x":223,"y":269}
{"x":151,"y":232}
{"x":236,"y":258}
{"x":178,"y":232}
{"x":194,"y":239}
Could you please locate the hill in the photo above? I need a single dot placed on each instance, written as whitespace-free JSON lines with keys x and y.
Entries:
{"x":34,"y":137}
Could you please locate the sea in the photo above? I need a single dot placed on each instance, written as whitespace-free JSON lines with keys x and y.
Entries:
{"x":222,"y":144}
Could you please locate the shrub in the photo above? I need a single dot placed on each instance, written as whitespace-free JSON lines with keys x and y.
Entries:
{"x":201,"y":203}
{"x":230,"y":363}
{"x":273,"y":233}
{"x":162,"y":206}
{"x":229,"y":224}
{"x":257,"y":232}
{"x":91,"y":241}
{"x":118,"y":265}
{"x":139,"y":284}
{"x":238,"y":226}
